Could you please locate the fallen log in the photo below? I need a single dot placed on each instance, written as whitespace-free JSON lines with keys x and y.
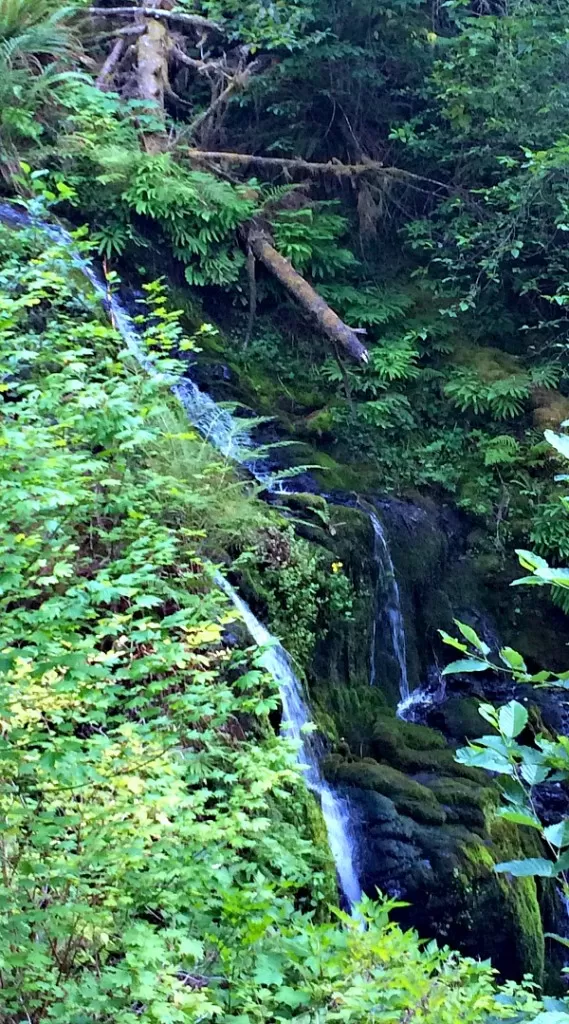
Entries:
{"x":312,"y":303}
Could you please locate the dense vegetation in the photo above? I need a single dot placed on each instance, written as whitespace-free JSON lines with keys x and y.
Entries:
{"x":370,"y":201}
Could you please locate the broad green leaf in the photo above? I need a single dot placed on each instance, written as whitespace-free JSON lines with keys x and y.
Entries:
{"x":558,"y":835}
{"x":489,"y":713}
{"x":472,"y":636}
{"x":530,"y":561}
{"x":533,"y":773}
{"x":519,"y":817}
{"x":512,"y":719}
{"x":526,"y":868}
{"x":464,"y":665}
{"x":452,"y":641}
{"x":513,"y":659}
{"x":558,"y":938}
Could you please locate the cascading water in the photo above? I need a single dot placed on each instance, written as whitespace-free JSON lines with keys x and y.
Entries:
{"x":390,"y":607}
{"x":231,"y":439}
{"x":229,"y":435}
{"x":296,"y":718}
{"x":416,"y":705}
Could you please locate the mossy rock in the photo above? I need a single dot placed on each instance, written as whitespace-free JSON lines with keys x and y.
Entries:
{"x":464,"y":801}
{"x":415,"y":748}
{"x":460,"y":719}
{"x":305,"y":502}
{"x":551,"y":408}
{"x":491,"y":364}
{"x":409,"y":797}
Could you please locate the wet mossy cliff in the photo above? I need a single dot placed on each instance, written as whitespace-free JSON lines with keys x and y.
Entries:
{"x":426,"y":828}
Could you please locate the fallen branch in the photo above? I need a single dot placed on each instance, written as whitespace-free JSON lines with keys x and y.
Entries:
{"x":334,"y":167}
{"x":313,"y":303}
{"x":188,"y":20}
{"x":285,"y":163}
{"x":223,"y":97}
{"x":202,"y":66}
{"x":111,"y":63}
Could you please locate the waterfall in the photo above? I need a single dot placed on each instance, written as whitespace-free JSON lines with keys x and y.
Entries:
{"x":296,"y":719}
{"x":222,"y":429}
{"x":390,"y":607}
{"x":433,"y":692}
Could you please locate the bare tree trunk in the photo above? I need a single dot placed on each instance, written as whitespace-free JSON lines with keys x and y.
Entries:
{"x":328,"y":321}
{"x":152,"y":75}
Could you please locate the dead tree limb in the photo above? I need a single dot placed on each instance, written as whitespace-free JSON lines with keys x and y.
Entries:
{"x":191,"y":21}
{"x":370,"y":168}
{"x":328,"y":321}
{"x":111,"y":63}
{"x":201,"y":66}
{"x":223,"y":97}
{"x":284,"y":163}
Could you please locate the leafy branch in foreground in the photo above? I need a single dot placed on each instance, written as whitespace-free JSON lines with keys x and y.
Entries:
{"x":521,"y":767}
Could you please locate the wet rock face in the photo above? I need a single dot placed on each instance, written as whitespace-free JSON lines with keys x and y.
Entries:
{"x":427,"y":834}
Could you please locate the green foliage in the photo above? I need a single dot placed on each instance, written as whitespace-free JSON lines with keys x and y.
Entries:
{"x":308,"y":237}
{"x":521,"y":760}
{"x":121,"y":705}
{"x":36,"y":49}
{"x":306,"y":592}
{"x":501,"y":399}
{"x":141,"y":875}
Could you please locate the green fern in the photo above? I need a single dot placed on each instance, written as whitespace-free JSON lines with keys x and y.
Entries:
{"x":506,"y":397}
{"x":389,"y":412}
{"x":546,"y":375}
{"x":395,"y":359}
{"x":368,"y":305}
{"x":501,"y":450}
{"x":309,"y":239}
{"x":503,"y":399}
{"x":466,"y":391}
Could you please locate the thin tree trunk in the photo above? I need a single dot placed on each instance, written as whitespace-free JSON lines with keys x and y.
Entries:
{"x":328,"y":321}
{"x":152,"y":75}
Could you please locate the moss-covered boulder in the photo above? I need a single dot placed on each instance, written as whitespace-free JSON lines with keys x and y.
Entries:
{"x":428,"y":833}
{"x":409,"y":797}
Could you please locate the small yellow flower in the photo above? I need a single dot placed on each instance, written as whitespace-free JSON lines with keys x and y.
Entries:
{"x":337,"y":566}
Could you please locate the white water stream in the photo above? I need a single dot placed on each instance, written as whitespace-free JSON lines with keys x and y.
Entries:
{"x":391,"y":607}
{"x":230,"y":438}
{"x":297,"y":722}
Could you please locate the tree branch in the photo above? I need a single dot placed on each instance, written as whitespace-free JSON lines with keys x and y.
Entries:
{"x":192,"y":21}
{"x":111,"y":63}
{"x":237,"y":83}
{"x":202,"y":66}
{"x":370,"y":168}
{"x":313,"y":303}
